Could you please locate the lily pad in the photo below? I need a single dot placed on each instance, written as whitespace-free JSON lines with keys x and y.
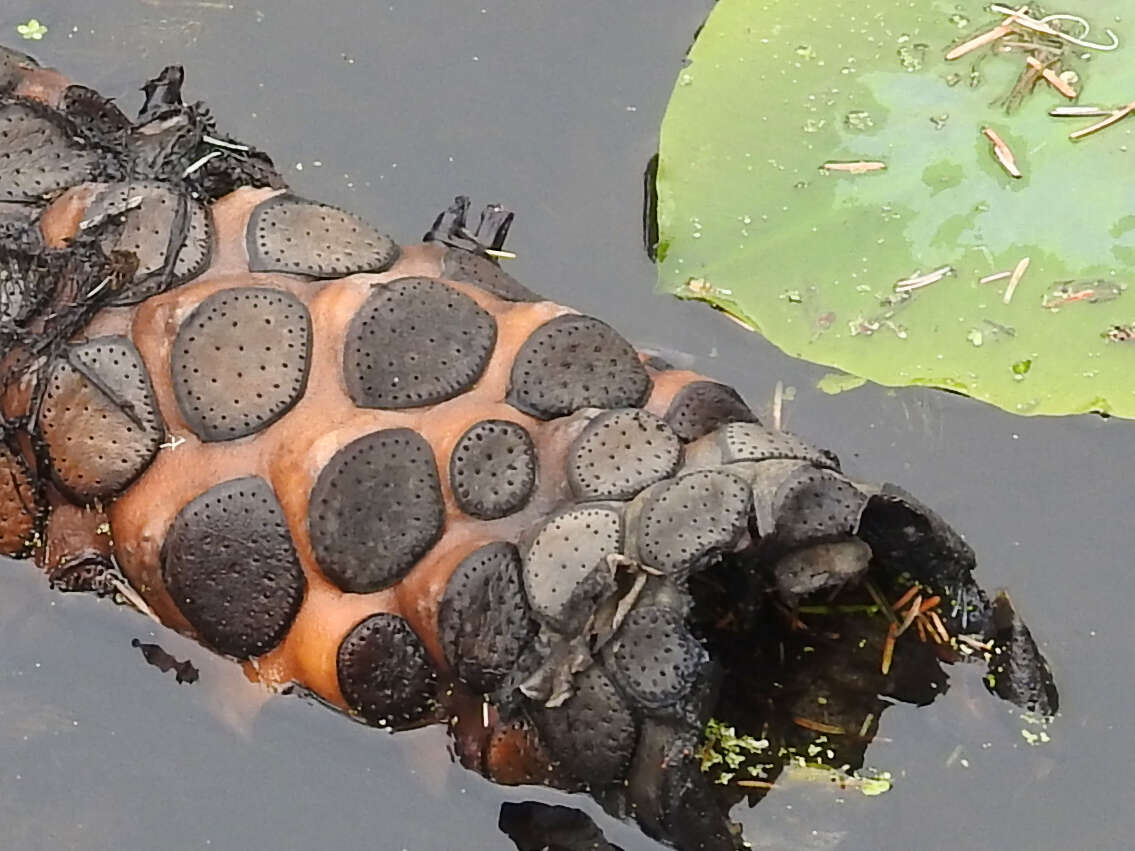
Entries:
{"x":751,"y":221}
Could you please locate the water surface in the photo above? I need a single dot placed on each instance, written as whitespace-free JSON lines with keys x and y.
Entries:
{"x":551,"y":109}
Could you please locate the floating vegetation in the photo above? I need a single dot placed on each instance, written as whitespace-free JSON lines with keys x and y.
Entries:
{"x":839,"y":382}
{"x":931,"y":252}
{"x":32,"y":30}
{"x":724,"y":753}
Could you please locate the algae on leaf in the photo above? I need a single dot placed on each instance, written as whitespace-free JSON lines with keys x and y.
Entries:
{"x":827,"y":176}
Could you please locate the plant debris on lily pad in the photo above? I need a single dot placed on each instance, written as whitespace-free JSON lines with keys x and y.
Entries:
{"x":829,"y":177}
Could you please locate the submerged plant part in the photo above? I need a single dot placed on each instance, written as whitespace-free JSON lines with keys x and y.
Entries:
{"x":399,"y":480}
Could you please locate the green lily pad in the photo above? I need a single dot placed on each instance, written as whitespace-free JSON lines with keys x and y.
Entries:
{"x":750,"y":221}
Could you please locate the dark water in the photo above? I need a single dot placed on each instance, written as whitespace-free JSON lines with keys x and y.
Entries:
{"x":552,"y":109}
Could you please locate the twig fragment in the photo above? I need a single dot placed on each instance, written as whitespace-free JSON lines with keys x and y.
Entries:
{"x":921,"y":629}
{"x":1002,"y":152}
{"x":858,"y":167}
{"x":910,"y":594}
{"x":221,"y":143}
{"x":929,"y":604}
{"x":1014,"y":279}
{"x":970,"y":641}
{"x":865,"y":727}
{"x":133,"y":598}
{"x":915,"y":610}
{"x":1079,"y":111}
{"x":939,"y":626}
{"x":996,"y":276}
{"x":989,"y":36}
{"x":889,"y":648}
{"x":200,"y":162}
{"x":1051,"y":77}
{"x":978,"y":41}
{"x":819,"y":726}
{"x":1116,"y":116}
{"x":919,"y":281}
{"x":881,"y":601}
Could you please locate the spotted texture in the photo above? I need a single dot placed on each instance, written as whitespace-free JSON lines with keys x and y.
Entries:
{"x":563,"y":559}
{"x":375,"y":509}
{"x":240,"y":361}
{"x":593,"y":733}
{"x":620,"y":453}
{"x":484,"y":620}
{"x":702,"y":406}
{"x":416,"y":342}
{"x":93,"y":114}
{"x":12,"y":66}
{"x":460,"y":265}
{"x":384,"y":673}
{"x":574,"y":362}
{"x":289,"y":234}
{"x":692,"y":518}
{"x":492,"y":469}
{"x":14,"y":220}
{"x":230,"y":566}
{"x":18,"y":512}
{"x":581,"y":619}
{"x":817,"y":567}
{"x":814,"y":505}
{"x":39,"y":155}
{"x":765,"y":478}
{"x":99,"y":419}
{"x":154,"y":219}
{"x":655,"y":660}
{"x":906,"y":536}
{"x":754,"y":442}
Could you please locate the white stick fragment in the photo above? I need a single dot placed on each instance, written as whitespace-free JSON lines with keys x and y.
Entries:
{"x":1041,"y":26}
{"x":919,"y":281}
{"x":101,"y":286}
{"x":748,"y":326}
{"x":130,"y":204}
{"x":996,"y":276}
{"x":777,"y":404}
{"x":133,"y":598}
{"x":196,"y":165}
{"x":859,"y":167}
{"x":1079,"y":111}
{"x":1014,"y":279}
{"x":221,"y":143}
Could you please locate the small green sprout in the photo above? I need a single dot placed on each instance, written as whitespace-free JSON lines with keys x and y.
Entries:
{"x":33,"y":29}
